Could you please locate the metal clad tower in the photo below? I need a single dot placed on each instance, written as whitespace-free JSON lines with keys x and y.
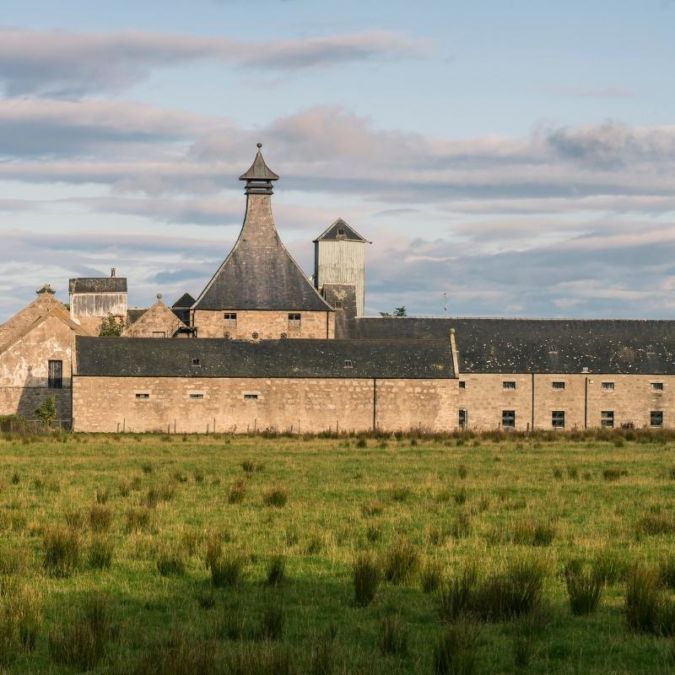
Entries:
{"x":340,"y":260}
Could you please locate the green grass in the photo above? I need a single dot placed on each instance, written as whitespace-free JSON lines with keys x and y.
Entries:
{"x":227,"y":554}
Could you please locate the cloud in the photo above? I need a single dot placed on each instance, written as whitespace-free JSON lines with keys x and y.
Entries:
{"x":59,"y":63}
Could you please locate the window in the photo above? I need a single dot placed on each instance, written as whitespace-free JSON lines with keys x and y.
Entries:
{"x":196,"y":395}
{"x":337,"y":304}
{"x":508,"y":419}
{"x":142,"y":395}
{"x":55,"y":374}
{"x":608,"y":386}
{"x":463,"y":418}
{"x":230,"y":318}
{"x":341,"y":232}
{"x":196,"y":362}
{"x":657,"y":386}
{"x":558,"y":419}
{"x":558,"y":385}
{"x":349,"y":363}
{"x":294,"y":321}
{"x":508,"y":384}
{"x":250,"y":397}
{"x":656,"y":418}
{"x":462,"y":384}
{"x":607,"y":419}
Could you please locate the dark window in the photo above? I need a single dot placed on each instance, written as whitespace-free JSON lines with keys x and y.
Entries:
{"x":196,"y":362}
{"x":608,"y":386}
{"x":462,"y":384}
{"x":508,"y":384}
{"x":294,"y":321}
{"x":55,"y":374}
{"x":337,"y":304}
{"x":142,"y":395}
{"x":558,"y":419}
{"x":230,"y":317}
{"x":463,"y":418}
{"x":558,"y":385}
{"x":250,"y":397}
{"x":656,"y":418}
{"x":349,"y":363}
{"x":607,"y":419}
{"x":508,"y":419}
{"x":196,"y":395}
{"x":340,"y":232}
{"x":657,"y":386}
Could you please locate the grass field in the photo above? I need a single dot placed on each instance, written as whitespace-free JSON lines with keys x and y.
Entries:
{"x":144,"y":554}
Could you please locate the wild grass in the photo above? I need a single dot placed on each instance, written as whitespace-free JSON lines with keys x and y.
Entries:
{"x":470,"y":531}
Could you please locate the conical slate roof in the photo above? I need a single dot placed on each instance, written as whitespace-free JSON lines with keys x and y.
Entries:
{"x":259,"y":273}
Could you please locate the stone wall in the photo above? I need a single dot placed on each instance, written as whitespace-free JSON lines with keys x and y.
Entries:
{"x":240,"y":404}
{"x":24,"y":369}
{"x":268,"y":324}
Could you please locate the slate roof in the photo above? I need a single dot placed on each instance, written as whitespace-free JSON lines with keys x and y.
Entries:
{"x":259,"y":273}
{"x":540,"y":345}
{"x":184,"y":302}
{"x":332,"y":233}
{"x":159,"y":357}
{"x":259,"y":171}
{"x":135,"y":314}
{"x":98,"y":285}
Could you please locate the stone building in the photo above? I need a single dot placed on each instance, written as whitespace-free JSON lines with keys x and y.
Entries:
{"x":269,"y":349}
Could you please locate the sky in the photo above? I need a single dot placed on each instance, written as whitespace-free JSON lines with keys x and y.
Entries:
{"x":505,"y":158}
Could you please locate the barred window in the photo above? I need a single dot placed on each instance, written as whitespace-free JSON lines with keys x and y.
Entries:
{"x":508,"y":384}
{"x":657,"y":386}
{"x":558,"y":419}
{"x":142,"y":395}
{"x":607,"y":419}
{"x":608,"y":386}
{"x":508,"y":419}
{"x":558,"y":385}
{"x":656,"y":418}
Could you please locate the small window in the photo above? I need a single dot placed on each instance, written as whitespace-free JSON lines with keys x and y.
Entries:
{"x":558,"y":385}
{"x":462,"y":384}
{"x":463,"y":418}
{"x":608,"y":386}
{"x":508,"y":419}
{"x":55,"y":374}
{"x":142,"y":395}
{"x":294,"y":320}
{"x":337,"y":304}
{"x":196,"y":362}
{"x":250,"y":397}
{"x":657,"y":386}
{"x":230,"y":317}
{"x":349,"y":363}
{"x":508,"y":384}
{"x":254,"y":336}
{"x":341,"y":232}
{"x":558,"y":419}
{"x":656,"y":418}
{"x":607,"y":419}
{"x":196,"y":395}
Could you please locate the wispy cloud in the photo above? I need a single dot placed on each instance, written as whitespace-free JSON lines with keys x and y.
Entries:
{"x":59,"y":63}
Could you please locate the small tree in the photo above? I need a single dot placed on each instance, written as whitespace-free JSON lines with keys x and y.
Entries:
{"x":111,"y":326}
{"x":46,"y":411}
{"x":400,"y":311}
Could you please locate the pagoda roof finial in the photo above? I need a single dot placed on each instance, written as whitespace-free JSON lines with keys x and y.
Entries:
{"x":259,"y":176}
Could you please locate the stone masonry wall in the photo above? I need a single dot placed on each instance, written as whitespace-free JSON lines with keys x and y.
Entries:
{"x":298,"y":405}
{"x":269,"y":325}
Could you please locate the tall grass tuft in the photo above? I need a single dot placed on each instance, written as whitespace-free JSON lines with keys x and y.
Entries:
{"x":277,"y":497}
{"x":648,"y":609}
{"x":101,"y":552}
{"x":138,"y":519}
{"x":237,"y":492}
{"x":400,"y":562}
{"x":367,"y":576}
{"x":608,"y":566}
{"x":81,"y":641}
{"x":272,"y":621}
{"x":457,"y":596}
{"x":322,"y":657}
{"x":61,"y":551}
{"x":584,"y":588}
{"x":276,"y":571}
{"x":456,"y":650}
{"x":171,"y":562}
{"x":226,"y":569}
{"x":393,"y":638}
{"x":100,"y":518}
{"x":431,"y":577}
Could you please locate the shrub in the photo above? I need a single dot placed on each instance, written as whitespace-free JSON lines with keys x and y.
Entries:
{"x":277,"y":497}
{"x":456,"y":651}
{"x":272,"y":622}
{"x":276,"y":571}
{"x":584,"y":589}
{"x":400,"y":562}
{"x":81,"y":641}
{"x":237,"y":492}
{"x":100,"y":553}
{"x":138,"y":519}
{"x":393,"y":638}
{"x":648,"y":609}
{"x":61,"y":551}
{"x":171,"y":562}
{"x":431,"y":577}
{"x":100,"y":518}
{"x":366,"y":580}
